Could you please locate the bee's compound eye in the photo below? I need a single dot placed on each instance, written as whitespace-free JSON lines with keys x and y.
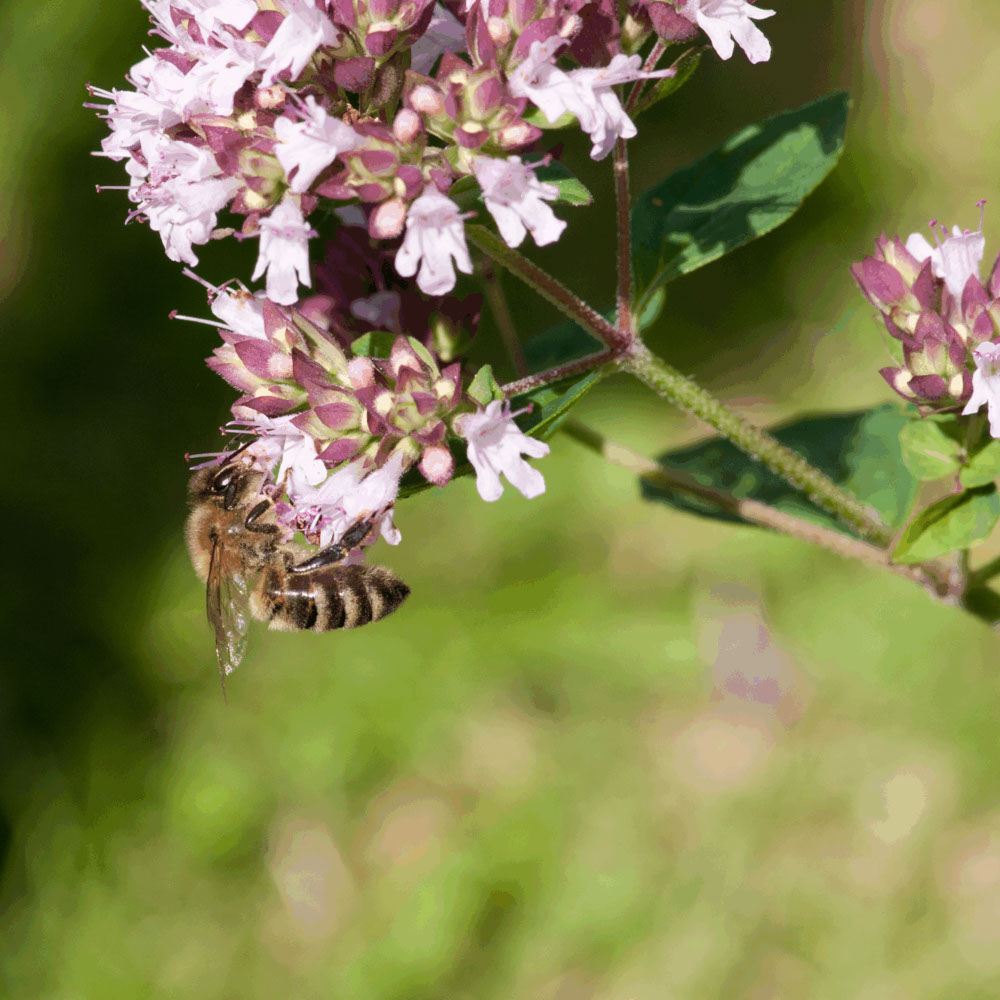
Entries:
{"x":222,"y":479}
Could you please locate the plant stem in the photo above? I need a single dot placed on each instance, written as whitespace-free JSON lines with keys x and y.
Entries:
{"x":493,"y":289}
{"x":788,"y":464}
{"x":567,"y":370}
{"x":635,"y":359}
{"x":623,"y":210}
{"x":984,"y":573}
{"x":751,"y":510}
{"x":548,"y":287}
{"x":655,"y":55}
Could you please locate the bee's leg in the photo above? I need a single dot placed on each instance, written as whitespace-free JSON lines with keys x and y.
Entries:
{"x":252,"y":519}
{"x":337,"y":552}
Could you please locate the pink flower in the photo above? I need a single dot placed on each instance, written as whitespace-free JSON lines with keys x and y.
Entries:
{"x":435,"y":237}
{"x":279,"y":442}
{"x":220,"y":73}
{"x":347,"y":496}
{"x":517,"y":200}
{"x":241,"y":312}
{"x":181,"y":194}
{"x":730,"y":21}
{"x":298,"y":457}
{"x":271,"y":434}
{"x":131,"y":116}
{"x":380,"y":310}
{"x":375,"y":494}
{"x":168,"y":85}
{"x":212,"y":72}
{"x":585,"y":93}
{"x":211,"y":13}
{"x":496,"y":445}
{"x":311,"y":145}
{"x":304,"y":29}
{"x":284,"y":251}
{"x":986,"y":385}
{"x":443,"y":34}
{"x":956,"y":259}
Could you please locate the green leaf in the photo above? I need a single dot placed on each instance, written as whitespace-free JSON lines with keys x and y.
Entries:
{"x":536,"y":117}
{"x":571,"y":190}
{"x":652,"y":309}
{"x":859,"y":451}
{"x":374,"y":345}
{"x":484,"y":387}
{"x":932,"y":448}
{"x":465,"y":191}
{"x":954,"y":523}
{"x":557,"y":345}
{"x":743,"y":189}
{"x":983,"y":467}
{"x":685,"y":65}
{"x":552,"y":403}
{"x":422,"y":353}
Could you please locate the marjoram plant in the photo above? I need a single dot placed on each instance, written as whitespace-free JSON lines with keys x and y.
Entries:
{"x":394,"y":157}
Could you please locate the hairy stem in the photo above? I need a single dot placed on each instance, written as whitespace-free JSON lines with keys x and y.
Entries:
{"x":655,"y":55}
{"x":623,"y":211}
{"x":558,"y":373}
{"x":548,"y":287}
{"x":791,"y":466}
{"x":634,"y":358}
{"x":751,"y":510}
{"x":497,"y":300}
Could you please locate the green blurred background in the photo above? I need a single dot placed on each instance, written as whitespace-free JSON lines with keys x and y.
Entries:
{"x":605,"y":752}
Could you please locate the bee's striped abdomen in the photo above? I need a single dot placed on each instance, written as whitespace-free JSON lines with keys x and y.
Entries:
{"x":357,"y":595}
{"x":339,"y":597}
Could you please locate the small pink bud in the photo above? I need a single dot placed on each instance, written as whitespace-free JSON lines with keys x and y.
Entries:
{"x":499,"y":31}
{"x":517,"y":135}
{"x":380,"y":39}
{"x":270,"y":98}
{"x":570,"y":27}
{"x":426,"y":100}
{"x":387,"y":221}
{"x":469,"y":135}
{"x":406,"y":126}
{"x":361,"y":372}
{"x":437,"y":465}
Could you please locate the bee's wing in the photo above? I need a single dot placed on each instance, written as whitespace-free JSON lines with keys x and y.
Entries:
{"x":226,"y":601}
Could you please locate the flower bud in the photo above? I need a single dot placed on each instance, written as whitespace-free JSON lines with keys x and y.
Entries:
{"x":426,"y":100}
{"x":406,"y":126}
{"x":499,"y":31}
{"x":437,"y":465}
{"x":387,"y":220}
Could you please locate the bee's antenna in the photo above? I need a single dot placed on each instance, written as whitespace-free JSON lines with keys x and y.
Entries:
{"x":243,"y":447}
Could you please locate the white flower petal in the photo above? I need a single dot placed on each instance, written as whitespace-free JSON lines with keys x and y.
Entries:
{"x":284,"y":251}
{"x":495,"y":446}
{"x":986,"y":385}
{"x":311,"y":145}
{"x":434,"y":243}
{"x":730,"y":21}
{"x":517,"y":200}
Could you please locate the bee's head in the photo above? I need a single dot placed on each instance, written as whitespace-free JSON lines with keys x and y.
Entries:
{"x":227,"y":485}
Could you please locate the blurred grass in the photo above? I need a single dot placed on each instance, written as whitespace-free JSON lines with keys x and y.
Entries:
{"x":604,"y":751}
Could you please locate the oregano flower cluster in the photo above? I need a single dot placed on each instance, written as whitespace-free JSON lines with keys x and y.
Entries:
{"x":943,"y":320}
{"x":353,"y":139}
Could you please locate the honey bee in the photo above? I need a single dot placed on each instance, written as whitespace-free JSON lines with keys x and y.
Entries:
{"x":235,"y":546}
